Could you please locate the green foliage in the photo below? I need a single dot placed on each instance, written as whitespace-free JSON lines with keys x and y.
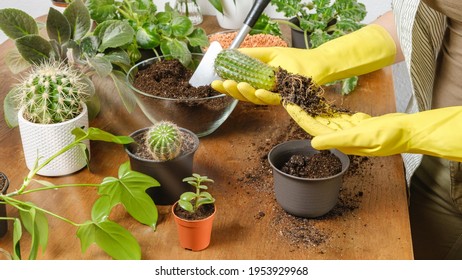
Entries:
{"x":164,"y":140}
{"x":166,"y":33}
{"x":127,"y":189}
{"x":69,"y":39}
{"x":191,"y":201}
{"x":322,"y":21}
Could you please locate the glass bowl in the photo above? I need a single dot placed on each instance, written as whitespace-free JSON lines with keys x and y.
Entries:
{"x":200,"y":115}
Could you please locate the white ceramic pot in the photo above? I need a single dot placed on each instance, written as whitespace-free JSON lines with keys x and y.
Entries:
{"x":44,"y":140}
{"x":234,"y":14}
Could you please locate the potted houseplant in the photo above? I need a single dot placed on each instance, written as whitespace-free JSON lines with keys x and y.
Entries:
{"x":155,"y":33}
{"x":315,"y":22}
{"x":194,"y":213}
{"x":51,"y":102}
{"x":4,"y":184}
{"x":128,"y":189}
{"x":306,"y":181}
{"x":98,"y":54}
{"x":165,"y":152}
{"x":231,"y":13}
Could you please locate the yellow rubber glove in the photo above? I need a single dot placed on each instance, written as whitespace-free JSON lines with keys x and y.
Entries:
{"x":365,"y":50}
{"x":434,"y":132}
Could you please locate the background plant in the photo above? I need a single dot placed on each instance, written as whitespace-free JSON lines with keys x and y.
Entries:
{"x":191,"y":201}
{"x":322,"y":21}
{"x":164,"y":140}
{"x":128,"y":189}
{"x":97,"y":54}
{"x":166,"y":33}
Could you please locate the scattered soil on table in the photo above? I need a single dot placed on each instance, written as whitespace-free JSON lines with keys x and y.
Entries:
{"x":320,"y":165}
{"x":298,"y":232}
{"x":202,"y":212}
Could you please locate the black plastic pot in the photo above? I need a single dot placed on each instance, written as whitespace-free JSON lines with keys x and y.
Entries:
{"x":169,"y":173}
{"x":298,"y":37}
{"x":3,"y":190}
{"x":304,"y":197}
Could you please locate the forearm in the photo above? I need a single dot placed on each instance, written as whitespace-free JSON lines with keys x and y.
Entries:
{"x":387,"y":21}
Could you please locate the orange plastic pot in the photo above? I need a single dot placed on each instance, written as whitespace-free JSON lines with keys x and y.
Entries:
{"x":194,"y":235}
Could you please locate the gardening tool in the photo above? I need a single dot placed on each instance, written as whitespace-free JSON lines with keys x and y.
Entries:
{"x":205,"y":73}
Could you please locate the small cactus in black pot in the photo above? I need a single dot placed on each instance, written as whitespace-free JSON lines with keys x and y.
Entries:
{"x":164,"y":140}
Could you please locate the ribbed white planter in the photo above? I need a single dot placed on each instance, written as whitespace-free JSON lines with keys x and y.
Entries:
{"x":44,"y":140}
{"x":234,"y":14}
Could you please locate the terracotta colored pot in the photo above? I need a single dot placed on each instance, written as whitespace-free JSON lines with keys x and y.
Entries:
{"x":194,"y":235}
{"x":3,"y":189}
{"x":169,"y":173}
{"x":304,"y":197}
{"x":62,"y":4}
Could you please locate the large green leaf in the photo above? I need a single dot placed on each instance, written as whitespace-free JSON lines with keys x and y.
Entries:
{"x":17,"y":235}
{"x":177,"y":49}
{"x":36,"y":223}
{"x":15,"y":62}
{"x":182,"y":26}
{"x":79,"y":19}
{"x":124,"y":91}
{"x":198,"y":38}
{"x":101,"y":65}
{"x":217,"y":5}
{"x":93,"y":133}
{"x":34,"y":49}
{"x":58,"y":28}
{"x":115,"y":240}
{"x":16,"y":23}
{"x":130,"y":190}
{"x":101,"y":10}
{"x":113,"y":34}
{"x":101,"y":209}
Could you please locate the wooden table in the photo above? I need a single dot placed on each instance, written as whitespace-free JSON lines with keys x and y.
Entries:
{"x":249,"y":223}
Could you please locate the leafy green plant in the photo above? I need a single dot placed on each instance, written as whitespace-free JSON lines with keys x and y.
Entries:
{"x":128,"y":189}
{"x":164,"y":140}
{"x":96,"y":54}
{"x":322,"y":21}
{"x":191,"y":201}
{"x":166,"y":33}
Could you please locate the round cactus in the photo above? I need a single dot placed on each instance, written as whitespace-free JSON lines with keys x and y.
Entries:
{"x":164,"y":140}
{"x":52,"y":92}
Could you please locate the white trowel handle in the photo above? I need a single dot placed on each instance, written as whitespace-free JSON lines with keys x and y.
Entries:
{"x":249,"y":22}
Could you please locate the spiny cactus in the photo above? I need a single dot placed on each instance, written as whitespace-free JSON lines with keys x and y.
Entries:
{"x":164,"y":140}
{"x":52,"y":92}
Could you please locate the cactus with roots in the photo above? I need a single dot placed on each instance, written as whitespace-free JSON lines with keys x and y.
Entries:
{"x":164,"y":140}
{"x":52,"y":92}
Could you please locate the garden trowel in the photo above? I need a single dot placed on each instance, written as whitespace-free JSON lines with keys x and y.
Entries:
{"x":205,"y":72}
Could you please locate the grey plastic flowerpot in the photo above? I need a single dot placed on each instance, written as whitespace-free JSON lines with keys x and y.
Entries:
{"x":169,"y":174}
{"x":304,"y":197}
{"x":3,"y":189}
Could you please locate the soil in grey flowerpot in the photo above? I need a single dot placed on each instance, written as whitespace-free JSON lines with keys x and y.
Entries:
{"x":320,"y":165}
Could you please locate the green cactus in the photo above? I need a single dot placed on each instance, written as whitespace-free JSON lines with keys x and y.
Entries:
{"x":164,"y":140}
{"x":52,"y":92}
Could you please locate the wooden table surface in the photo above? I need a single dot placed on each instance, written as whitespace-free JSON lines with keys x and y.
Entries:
{"x":370,"y":222}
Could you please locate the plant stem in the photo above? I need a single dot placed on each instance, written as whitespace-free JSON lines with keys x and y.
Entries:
{"x":59,"y":187}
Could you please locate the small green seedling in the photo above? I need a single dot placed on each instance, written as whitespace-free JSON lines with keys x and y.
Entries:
{"x":191,"y":201}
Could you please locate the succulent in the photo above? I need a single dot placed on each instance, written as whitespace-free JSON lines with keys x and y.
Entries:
{"x":164,"y":140}
{"x":52,"y":92}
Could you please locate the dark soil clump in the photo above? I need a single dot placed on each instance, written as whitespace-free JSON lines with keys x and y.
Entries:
{"x":170,"y":79}
{"x":202,"y":212}
{"x":320,"y":165}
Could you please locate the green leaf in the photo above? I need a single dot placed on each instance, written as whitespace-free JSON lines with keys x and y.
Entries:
{"x":177,"y":49}
{"x":198,"y":38}
{"x":17,"y":235}
{"x":113,"y":34}
{"x":16,"y":63}
{"x":102,"y":66}
{"x":187,"y":196}
{"x":124,"y":91}
{"x":118,"y":57}
{"x":44,"y":183}
{"x":33,"y":48}
{"x":101,"y":10}
{"x":186,"y":205}
{"x":182,"y":26}
{"x":115,"y":240}
{"x":101,"y":209}
{"x":16,"y":23}
{"x":36,"y":223}
{"x":217,"y":5}
{"x":349,"y":84}
{"x":79,"y":19}
{"x":10,"y":106}
{"x":130,"y":190}
{"x":89,"y":46}
{"x":93,"y":133}
{"x":58,"y":28}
